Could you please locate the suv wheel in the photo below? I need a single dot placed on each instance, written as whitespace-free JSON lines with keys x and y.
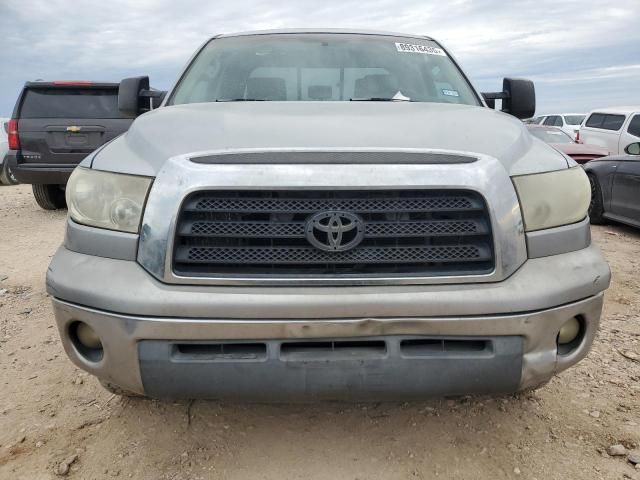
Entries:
{"x":49,"y":197}
{"x":6,"y":175}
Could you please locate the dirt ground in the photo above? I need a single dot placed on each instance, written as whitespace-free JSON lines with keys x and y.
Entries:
{"x":56,"y":421}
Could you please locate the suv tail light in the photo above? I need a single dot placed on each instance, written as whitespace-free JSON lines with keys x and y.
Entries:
{"x":14,"y":139}
{"x":578,"y":136}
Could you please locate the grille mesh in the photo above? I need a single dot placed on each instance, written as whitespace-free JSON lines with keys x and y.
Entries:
{"x":263,"y":233}
{"x":298,"y":255}
{"x":311,"y":205}
{"x":381,"y":229}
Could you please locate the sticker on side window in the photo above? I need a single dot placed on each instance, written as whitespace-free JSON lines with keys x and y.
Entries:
{"x":413,"y":48}
{"x":450,"y":93}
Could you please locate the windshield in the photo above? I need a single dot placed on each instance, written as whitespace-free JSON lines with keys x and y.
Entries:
{"x":551,"y":135}
{"x":323,"y":67}
{"x":574,"y":119}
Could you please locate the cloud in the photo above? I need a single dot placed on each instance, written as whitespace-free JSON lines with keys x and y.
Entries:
{"x":580,"y":53}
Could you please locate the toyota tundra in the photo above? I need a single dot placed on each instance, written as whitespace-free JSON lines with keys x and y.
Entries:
{"x":327,"y":214}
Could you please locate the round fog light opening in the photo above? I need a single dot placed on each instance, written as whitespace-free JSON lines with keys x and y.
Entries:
{"x":569,"y":331}
{"x":88,"y":336}
{"x":86,"y":341}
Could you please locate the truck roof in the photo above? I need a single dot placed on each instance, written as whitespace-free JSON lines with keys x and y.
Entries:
{"x":619,"y":110}
{"x":323,"y":30}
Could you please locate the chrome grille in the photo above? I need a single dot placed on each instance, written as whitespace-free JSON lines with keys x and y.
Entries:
{"x":262,"y":233}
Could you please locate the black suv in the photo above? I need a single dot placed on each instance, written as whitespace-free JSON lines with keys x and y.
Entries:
{"x":54,"y":126}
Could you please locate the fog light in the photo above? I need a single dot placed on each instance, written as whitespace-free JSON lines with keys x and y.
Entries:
{"x":569,"y":331}
{"x":86,"y":341}
{"x":87,"y":336}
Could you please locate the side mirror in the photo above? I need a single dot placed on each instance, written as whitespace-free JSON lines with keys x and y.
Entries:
{"x":633,"y":149}
{"x":156,"y":97}
{"x":129,"y":94}
{"x":518,"y":97}
{"x":135,"y":96}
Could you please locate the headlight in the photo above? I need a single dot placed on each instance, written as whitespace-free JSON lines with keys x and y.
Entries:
{"x":107,"y":200}
{"x":554,"y":198}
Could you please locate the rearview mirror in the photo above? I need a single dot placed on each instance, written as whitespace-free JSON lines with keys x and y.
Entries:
{"x":518,"y":97}
{"x":633,"y":149}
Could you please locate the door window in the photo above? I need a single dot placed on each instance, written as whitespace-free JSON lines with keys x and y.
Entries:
{"x":613,"y":122}
{"x":553,"y":121}
{"x":606,"y":121}
{"x":595,"y":120}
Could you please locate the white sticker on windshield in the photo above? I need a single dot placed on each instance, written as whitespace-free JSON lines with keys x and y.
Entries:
{"x":412,"y":48}
{"x":450,"y":93}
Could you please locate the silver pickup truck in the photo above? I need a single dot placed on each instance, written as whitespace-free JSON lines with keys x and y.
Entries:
{"x":324,"y":214}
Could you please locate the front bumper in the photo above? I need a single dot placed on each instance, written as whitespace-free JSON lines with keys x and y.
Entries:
{"x":142,"y":324}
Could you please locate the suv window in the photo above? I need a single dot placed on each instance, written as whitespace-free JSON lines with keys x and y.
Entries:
{"x":634,"y":126}
{"x":613,"y":122}
{"x":595,"y":120}
{"x":70,"y":103}
{"x":574,"y":119}
{"x":553,"y":121}
{"x":322,"y":67}
{"x":605,"y":121}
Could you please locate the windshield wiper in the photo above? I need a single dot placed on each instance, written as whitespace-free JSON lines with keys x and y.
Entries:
{"x":242,"y":100}
{"x":380,"y":99}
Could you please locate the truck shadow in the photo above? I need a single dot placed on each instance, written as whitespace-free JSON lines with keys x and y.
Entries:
{"x":338,"y":440}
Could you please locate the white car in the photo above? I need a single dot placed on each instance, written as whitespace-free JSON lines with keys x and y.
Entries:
{"x":569,"y":123}
{"x":613,"y":128}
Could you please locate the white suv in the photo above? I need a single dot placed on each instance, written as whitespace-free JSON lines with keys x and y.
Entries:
{"x":612,"y":128}
{"x":567,"y":122}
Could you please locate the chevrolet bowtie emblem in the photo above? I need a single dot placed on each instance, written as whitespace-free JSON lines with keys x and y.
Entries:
{"x":73,"y":129}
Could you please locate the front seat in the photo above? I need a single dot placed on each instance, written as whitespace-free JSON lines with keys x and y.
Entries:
{"x":266,"y":88}
{"x":376,"y":86}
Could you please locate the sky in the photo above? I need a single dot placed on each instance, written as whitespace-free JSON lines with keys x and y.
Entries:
{"x":581,"y":54}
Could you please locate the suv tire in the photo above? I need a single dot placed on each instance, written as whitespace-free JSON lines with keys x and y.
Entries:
{"x":596,"y":208}
{"x":6,"y":175}
{"x":49,"y":197}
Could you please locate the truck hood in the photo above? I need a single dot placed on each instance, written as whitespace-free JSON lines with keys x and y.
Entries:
{"x":182,"y":129}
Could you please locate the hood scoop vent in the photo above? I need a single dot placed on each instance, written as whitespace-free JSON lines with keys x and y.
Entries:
{"x":335,"y":157}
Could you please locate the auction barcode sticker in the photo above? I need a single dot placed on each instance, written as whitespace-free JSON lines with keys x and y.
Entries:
{"x":413,"y":48}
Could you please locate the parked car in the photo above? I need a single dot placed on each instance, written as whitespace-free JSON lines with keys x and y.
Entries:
{"x":612,"y":128}
{"x":569,"y":123}
{"x":303,"y":219}
{"x":615,"y":187}
{"x":559,"y":140}
{"x":54,"y":126}
{"x":6,"y":177}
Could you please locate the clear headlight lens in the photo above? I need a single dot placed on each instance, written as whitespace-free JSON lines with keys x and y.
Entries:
{"x":107,"y":200}
{"x":552,"y":199}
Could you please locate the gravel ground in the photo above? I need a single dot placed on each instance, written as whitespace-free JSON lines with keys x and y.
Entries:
{"x":56,"y":421}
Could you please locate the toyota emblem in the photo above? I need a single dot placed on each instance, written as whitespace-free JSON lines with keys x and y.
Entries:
{"x":335,"y":231}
